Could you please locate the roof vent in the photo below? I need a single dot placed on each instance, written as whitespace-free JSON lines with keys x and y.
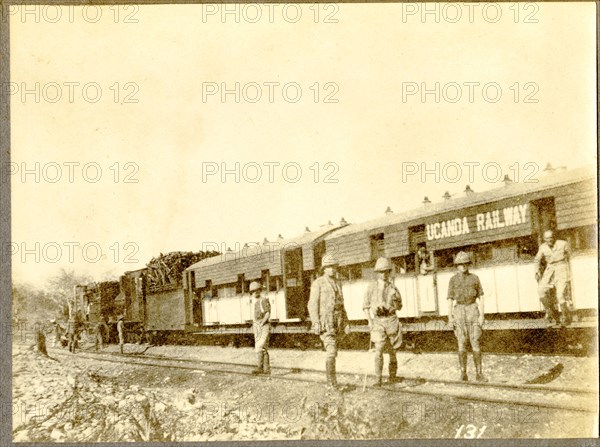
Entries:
{"x":329,"y":222}
{"x":246,"y":245}
{"x":388,"y":210}
{"x":306,"y":230}
{"x":265,"y":241}
{"x":343,"y":222}
{"x":468,"y":190}
{"x":280,"y":236}
{"x":229,"y":249}
{"x":447,"y":196}
{"x":426,"y":201}
{"x":507,"y":180}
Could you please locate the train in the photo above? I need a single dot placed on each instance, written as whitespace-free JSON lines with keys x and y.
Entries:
{"x":502,"y":228}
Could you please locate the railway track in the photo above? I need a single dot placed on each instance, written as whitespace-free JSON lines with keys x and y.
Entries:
{"x":524,"y":395}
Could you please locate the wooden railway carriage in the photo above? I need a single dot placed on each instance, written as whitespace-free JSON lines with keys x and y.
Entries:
{"x":216,"y":289}
{"x":502,"y":228}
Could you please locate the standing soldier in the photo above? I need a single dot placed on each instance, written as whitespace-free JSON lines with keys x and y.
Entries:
{"x":327,"y":314}
{"x":465,"y":312}
{"x":72,"y":334}
{"x":121,"y":332}
{"x":556,"y":254}
{"x":57,"y":331}
{"x":382,"y":301}
{"x":262,"y":329}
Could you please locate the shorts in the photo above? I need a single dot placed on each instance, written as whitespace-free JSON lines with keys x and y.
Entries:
{"x":467,"y":327}
{"x":386,"y":328}
{"x":261,"y":336}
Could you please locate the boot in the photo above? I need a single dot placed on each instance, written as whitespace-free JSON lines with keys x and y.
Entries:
{"x":393,"y":368}
{"x":550,"y":318}
{"x":266,"y":363}
{"x":260,"y":360}
{"x":331,"y":378}
{"x":462,"y":359}
{"x":565,"y":317}
{"x":378,"y":370}
{"x":477,"y":360}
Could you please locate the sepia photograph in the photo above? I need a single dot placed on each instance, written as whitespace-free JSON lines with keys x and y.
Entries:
{"x":299,"y":222}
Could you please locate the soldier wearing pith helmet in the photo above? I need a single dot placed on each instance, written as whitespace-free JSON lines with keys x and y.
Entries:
{"x":327,"y":313}
{"x":381,"y":303}
{"x":262,"y":328}
{"x":466,"y":313}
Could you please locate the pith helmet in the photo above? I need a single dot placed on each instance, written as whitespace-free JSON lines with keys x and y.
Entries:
{"x":328,"y":260}
{"x":254,"y":286}
{"x":383,"y":265}
{"x":462,"y":258}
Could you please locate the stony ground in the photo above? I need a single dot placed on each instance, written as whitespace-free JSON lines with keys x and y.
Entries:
{"x":70,"y":398}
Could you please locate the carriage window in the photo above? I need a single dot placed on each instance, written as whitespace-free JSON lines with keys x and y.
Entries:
{"x":527,"y":248}
{"x":226,"y":291}
{"x":445,"y":258}
{"x":483,"y":253}
{"x":377,"y":246}
{"x":399,"y":265}
{"x":409,"y":262}
{"x":274,"y":283}
{"x":355,"y":272}
{"x":368,"y":272}
{"x":584,"y":238}
{"x":264,"y":278}
{"x":239,"y":286}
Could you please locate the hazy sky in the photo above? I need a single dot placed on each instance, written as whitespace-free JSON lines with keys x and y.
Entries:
{"x":343,"y":88}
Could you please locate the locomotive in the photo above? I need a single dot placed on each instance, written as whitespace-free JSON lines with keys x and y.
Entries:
{"x":502,"y":229}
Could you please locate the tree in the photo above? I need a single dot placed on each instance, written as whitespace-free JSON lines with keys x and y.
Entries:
{"x":61,"y":287}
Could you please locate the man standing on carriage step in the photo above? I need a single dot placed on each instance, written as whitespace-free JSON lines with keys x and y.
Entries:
{"x":556,"y":255}
{"x":381,"y":303}
{"x":262,"y":329}
{"x":466,"y":313}
{"x":327,"y":314}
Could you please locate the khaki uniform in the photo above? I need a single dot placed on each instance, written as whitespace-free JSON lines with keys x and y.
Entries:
{"x":261,"y":331}
{"x":464,"y":290}
{"x":327,"y":313}
{"x":383,"y":299}
{"x":557,"y":274}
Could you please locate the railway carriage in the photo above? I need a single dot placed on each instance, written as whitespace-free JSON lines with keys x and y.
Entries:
{"x":217,"y":288}
{"x":502,"y":228}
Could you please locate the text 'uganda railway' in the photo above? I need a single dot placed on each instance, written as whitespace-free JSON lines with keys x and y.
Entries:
{"x":501,"y":229}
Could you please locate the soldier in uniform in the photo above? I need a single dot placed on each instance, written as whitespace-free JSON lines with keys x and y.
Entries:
{"x":121,"y":332}
{"x":381,"y":302}
{"x":556,"y":254}
{"x":466,"y":313}
{"x":262,"y":329}
{"x":72,"y":334}
{"x":327,"y":314}
{"x":57,"y":331}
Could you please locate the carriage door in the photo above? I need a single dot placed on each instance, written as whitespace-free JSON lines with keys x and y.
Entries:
{"x":425,"y":274}
{"x":292,"y":279}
